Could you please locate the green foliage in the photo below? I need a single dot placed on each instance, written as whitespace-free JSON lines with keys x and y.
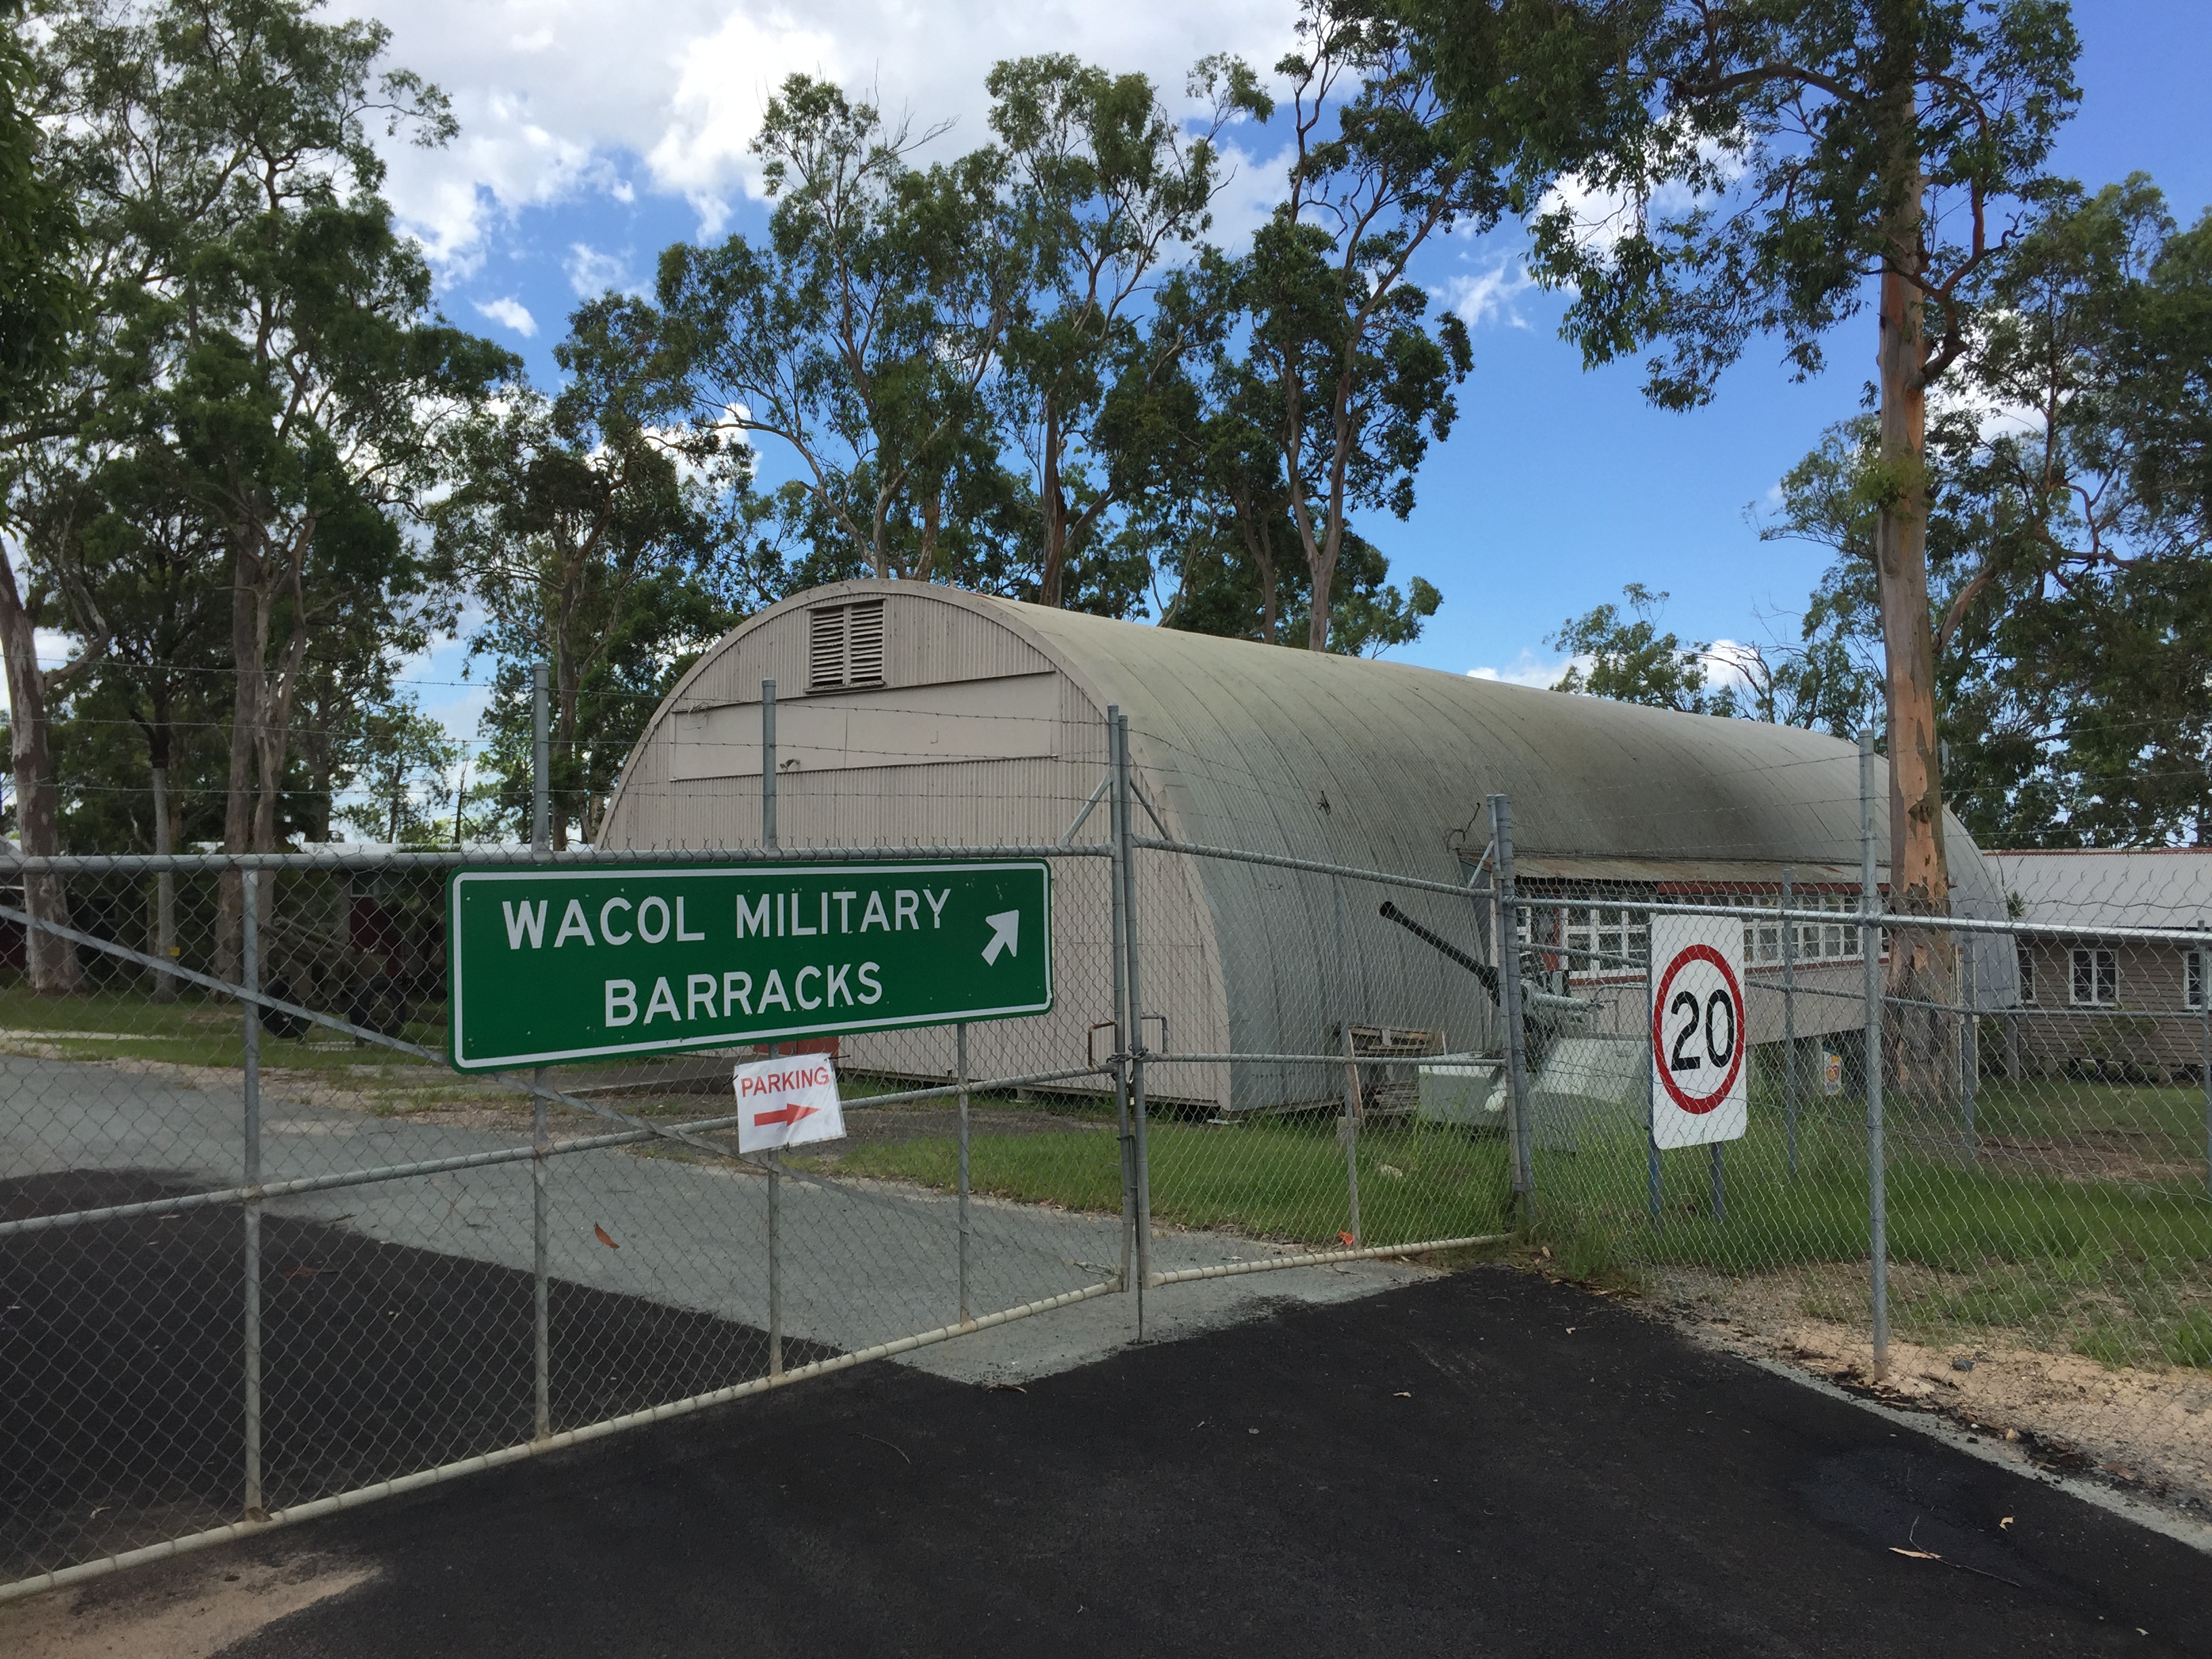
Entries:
{"x":403,"y":761}
{"x":1632,"y":661}
{"x":1357,"y":381}
{"x":1105,"y":187}
{"x":2067,"y":532}
{"x":41,"y":301}
{"x":860,"y":334}
{"x":1740,"y":168}
{"x":261,"y":406}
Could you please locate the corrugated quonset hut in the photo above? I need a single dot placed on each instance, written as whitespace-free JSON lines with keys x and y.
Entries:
{"x":913,"y":714}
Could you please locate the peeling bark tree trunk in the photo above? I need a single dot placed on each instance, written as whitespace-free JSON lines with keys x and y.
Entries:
{"x":53,"y":962}
{"x":260,"y":723}
{"x":1922,"y":968}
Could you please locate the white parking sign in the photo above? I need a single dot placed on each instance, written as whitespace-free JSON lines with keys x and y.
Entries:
{"x":787,"y":1101}
{"x":1699,"y":1089}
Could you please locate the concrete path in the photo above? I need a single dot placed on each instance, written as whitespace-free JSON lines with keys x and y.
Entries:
{"x":862,"y":1261}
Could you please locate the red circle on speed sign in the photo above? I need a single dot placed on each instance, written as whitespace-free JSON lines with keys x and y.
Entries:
{"x":1695,"y":1022}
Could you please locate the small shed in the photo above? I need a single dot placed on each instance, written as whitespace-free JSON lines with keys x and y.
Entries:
{"x":913,"y":714}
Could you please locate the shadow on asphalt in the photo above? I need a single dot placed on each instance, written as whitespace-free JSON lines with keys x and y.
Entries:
{"x":121,"y":1410}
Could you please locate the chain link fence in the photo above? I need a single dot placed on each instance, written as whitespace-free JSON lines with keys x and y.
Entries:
{"x":266,"y":1253}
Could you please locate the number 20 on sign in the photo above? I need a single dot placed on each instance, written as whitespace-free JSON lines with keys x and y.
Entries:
{"x":1700,"y":1090}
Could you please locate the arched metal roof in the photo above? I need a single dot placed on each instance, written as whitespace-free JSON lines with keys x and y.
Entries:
{"x":1372,"y":765}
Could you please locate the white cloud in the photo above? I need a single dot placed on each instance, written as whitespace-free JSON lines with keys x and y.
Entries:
{"x":1529,"y":669}
{"x":592,"y":273}
{"x":509,"y":313}
{"x":1488,"y":295}
{"x":563,"y":99}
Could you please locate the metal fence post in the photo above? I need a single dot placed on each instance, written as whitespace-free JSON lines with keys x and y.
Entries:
{"x":1969,"y":1039}
{"x":960,"y":1049}
{"x":1654,"y":1192}
{"x":1136,"y":1027}
{"x":1509,"y":1008}
{"x":541,"y":1340}
{"x":541,"y":762}
{"x":1347,"y":1128}
{"x":1870,"y":948}
{"x":1349,"y":1134}
{"x":1790,"y":1067}
{"x":249,"y":977}
{"x":541,"y":841}
{"x":2204,"y":1025}
{"x":768,"y":765}
{"x":774,"y":1260}
{"x":1118,"y":821}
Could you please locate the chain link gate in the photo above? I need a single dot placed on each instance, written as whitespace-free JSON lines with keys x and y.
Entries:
{"x":266,"y":1255}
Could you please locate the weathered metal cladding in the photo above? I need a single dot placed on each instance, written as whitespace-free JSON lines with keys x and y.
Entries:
{"x":934,"y":639}
{"x":1368,"y":765}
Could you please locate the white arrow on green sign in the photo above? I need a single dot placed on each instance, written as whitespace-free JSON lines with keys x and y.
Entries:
{"x":552,"y":965}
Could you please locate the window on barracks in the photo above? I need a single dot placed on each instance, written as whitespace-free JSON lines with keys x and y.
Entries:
{"x":2096,"y":979}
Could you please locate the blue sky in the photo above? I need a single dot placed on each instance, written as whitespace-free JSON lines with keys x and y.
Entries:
{"x":597,"y":133}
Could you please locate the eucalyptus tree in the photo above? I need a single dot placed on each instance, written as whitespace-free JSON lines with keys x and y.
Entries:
{"x":1742,"y":169}
{"x":41,"y":301}
{"x":399,"y":761}
{"x":1109,"y":191}
{"x":861,"y":332}
{"x":42,"y":306}
{"x":48,"y":506}
{"x":2067,"y":529}
{"x":568,"y":505}
{"x":266,"y":329}
{"x":1360,"y":375}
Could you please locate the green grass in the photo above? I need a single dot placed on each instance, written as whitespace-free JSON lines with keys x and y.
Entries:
{"x":1270,"y":1179}
{"x":199,"y":1030}
{"x":196,"y":1030}
{"x":2119,"y":1269}
{"x":2100,"y":1242}
{"x":2084,"y":1222}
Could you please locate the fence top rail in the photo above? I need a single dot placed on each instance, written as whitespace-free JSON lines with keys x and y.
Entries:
{"x":106,"y":864}
{"x":1893,"y":922}
{"x":1236,"y":855}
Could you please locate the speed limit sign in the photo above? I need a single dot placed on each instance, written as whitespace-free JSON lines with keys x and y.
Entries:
{"x":1699,"y":1089}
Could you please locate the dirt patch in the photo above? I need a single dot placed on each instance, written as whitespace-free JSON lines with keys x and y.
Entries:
{"x":2148,"y":1427}
{"x":187,"y":1610}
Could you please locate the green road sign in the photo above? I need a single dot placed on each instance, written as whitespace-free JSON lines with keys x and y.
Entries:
{"x":549,"y":965}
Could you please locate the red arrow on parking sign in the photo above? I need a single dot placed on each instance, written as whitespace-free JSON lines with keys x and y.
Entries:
{"x":791,"y":1114}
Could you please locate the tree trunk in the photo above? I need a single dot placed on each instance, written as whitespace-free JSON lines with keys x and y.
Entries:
{"x":1259,"y":539}
{"x":1922,"y":971}
{"x":247,"y":656}
{"x":165,"y":884}
{"x":568,"y":677}
{"x":260,"y":727}
{"x":1051,"y":578}
{"x":932,"y":514}
{"x":51,"y":961}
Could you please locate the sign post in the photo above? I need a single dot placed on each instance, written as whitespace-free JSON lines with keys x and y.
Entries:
{"x":555,"y":966}
{"x":1699,"y":1089}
